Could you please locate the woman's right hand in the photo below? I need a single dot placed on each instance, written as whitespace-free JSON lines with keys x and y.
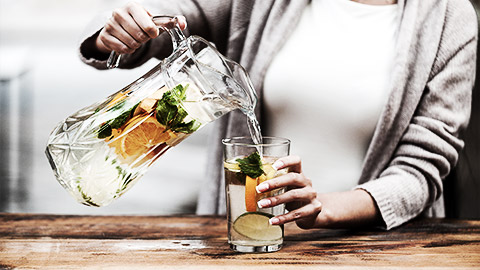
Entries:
{"x":129,"y":27}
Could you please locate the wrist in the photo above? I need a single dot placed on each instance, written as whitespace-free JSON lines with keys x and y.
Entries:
{"x":328,"y":217}
{"x":348,"y":209}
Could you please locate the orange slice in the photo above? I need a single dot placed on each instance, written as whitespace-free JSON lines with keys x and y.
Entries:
{"x":143,"y":133}
{"x":154,"y":154}
{"x":250,"y":194}
{"x":118,"y":97}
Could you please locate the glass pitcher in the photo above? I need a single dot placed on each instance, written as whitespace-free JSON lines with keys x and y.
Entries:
{"x":101,"y":151}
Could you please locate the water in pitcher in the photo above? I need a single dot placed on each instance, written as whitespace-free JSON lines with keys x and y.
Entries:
{"x":101,"y":151}
{"x":97,"y":159}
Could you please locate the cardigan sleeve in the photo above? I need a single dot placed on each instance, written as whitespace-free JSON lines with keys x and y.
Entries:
{"x":430,"y":146}
{"x":208,"y":19}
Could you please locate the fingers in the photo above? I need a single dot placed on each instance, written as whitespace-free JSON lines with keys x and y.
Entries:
{"x":294,"y":163}
{"x":128,"y":28}
{"x":306,"y":194}
{"x":122,"y":33}
{"x":299,"y":189}
{"x":292,"y":180}
{"x":116,"y":37}
{"x":105,"y":43}
{"x":301,"y":198}
{"x":309,"y":211}
{"x":143,"y":20}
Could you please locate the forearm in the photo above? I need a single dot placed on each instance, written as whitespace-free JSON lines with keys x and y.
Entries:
{"x":347,"y":209}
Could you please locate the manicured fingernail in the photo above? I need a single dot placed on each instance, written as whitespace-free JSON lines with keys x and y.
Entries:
{"x":273,"y":221}
{"x":278,"y":164}
{"x":263,"y":203}
{"x":262,"y":187}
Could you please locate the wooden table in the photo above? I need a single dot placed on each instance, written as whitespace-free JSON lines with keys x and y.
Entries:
{"x":31,"y":241}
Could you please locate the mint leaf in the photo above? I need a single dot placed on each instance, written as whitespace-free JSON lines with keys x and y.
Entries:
{"x":166,"y":111}
{"x":251,"y":165}
{"x":180,"y":92}
{"x":132,"y":111}
{"x":104,"y":131}
{"x":120,"y":120}
{"x":179,"y":117}
{"x":187,"y":128}
{"x":170,"y":114}
{"x":174,"y":96}
{"x":106,"y":128}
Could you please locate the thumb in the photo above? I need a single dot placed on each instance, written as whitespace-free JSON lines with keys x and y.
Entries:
{"x":182,"y":21}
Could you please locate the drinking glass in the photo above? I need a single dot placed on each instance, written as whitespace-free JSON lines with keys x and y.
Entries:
{"x":249,"y":229}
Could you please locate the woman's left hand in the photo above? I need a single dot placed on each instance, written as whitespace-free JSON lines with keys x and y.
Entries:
{"x":300,"y":198}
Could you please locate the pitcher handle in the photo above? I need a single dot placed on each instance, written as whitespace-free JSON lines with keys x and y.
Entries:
{"x":168,"y":24}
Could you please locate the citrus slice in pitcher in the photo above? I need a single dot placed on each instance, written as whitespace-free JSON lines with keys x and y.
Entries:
{"x":255,"y":225}
{"x":143,"y":133}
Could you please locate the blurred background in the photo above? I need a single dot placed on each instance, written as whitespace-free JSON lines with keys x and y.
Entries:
{"x":42,"y":81}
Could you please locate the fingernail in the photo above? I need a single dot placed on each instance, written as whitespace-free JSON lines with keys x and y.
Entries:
{"x":273,"y":221}
{"x":278,"y":164}
{"x":263,"y":203}
{"x":262,"y":187}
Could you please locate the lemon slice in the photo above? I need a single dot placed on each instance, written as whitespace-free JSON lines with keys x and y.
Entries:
{"x":255,"y":225}
{"x":269,"y":171}
{"x":232,"y":166}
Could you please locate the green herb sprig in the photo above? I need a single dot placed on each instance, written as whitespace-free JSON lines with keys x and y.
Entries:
{"x":106,"y":128}
{"x":170,"y":114}
{"x":251,"y":165}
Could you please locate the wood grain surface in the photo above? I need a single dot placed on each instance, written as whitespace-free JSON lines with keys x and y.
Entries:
{"x":29,"y":241}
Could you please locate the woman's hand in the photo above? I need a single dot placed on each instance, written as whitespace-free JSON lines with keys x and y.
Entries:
{"x":309,"y":209}
{"x":300,"y":198}
{"x":129,"y":27}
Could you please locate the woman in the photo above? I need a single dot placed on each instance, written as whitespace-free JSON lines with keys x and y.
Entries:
{"x":421,"y":67}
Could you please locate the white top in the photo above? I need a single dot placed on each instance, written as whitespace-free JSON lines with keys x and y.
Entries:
{"x":326,"y":87}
